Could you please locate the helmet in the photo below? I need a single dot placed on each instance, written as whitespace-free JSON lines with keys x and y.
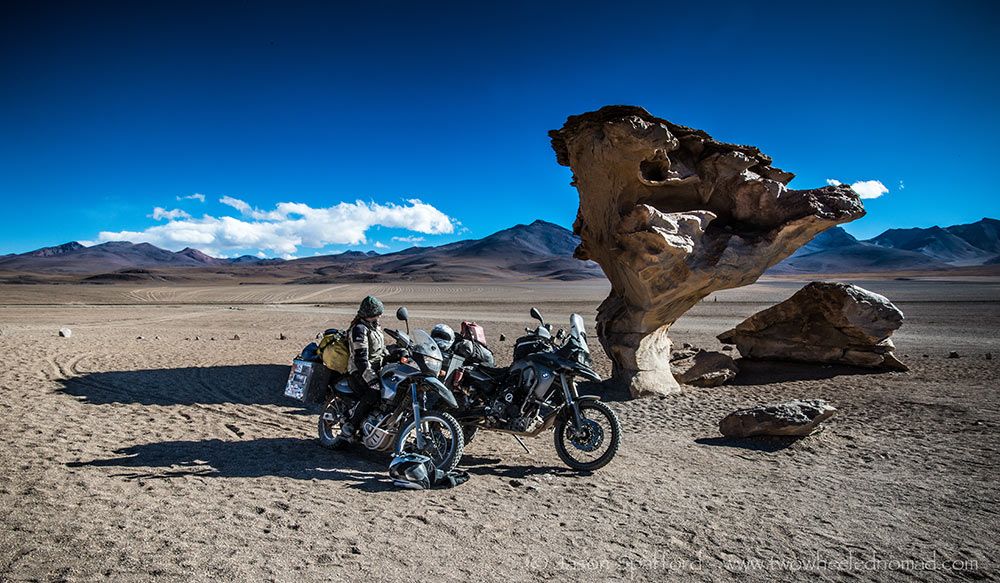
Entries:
{"x":371,"y":307}
{"x":412,"y":471}
{"x":444,"y":336}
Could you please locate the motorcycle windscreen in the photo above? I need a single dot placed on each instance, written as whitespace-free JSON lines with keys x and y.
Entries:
{"x":578,"y":331}
{"x":426,"y":352}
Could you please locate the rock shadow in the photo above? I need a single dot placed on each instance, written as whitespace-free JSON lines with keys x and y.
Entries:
{"x":764,"y":372}
{"x":248,"y":384}
{"x":286,"y":457}
{"x":763,"y":444}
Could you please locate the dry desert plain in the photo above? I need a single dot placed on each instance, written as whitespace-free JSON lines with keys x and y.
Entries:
{"x":172,"y":458}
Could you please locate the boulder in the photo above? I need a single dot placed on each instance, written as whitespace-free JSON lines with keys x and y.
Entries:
{"x":704,"y":369}
{"x":835,"y":323}
{"x":65,"y":332}
{"x":672,"y":215}
{"x":794,"y":418}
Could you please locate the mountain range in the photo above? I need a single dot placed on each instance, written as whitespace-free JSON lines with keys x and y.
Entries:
{"x":918,"y":249}
{"x":537,"y":252}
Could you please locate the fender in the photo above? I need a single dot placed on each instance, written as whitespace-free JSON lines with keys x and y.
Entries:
{"x":444,"y":392}
{"x":587,"y":398}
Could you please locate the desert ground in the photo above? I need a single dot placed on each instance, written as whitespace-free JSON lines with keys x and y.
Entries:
{"x":176,"y":457}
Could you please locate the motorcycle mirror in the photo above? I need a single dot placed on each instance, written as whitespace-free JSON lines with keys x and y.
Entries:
{"x":403,"y":314}
{"x":536,"y":315}
{"x":548,"y":327}
{"x":560,"y":333}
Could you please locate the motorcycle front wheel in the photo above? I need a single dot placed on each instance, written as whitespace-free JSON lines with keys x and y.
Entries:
{"x":595,"y":444}
{"x":443,"y":440}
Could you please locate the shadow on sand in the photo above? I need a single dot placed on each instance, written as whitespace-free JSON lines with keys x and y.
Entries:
{"x":764,"y":372}
{"x":248,"y":384}
{"x":763,"y":444}
{"x":286,"y":457}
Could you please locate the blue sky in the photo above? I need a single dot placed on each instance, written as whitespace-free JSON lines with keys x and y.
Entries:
{"x":109,"y":110}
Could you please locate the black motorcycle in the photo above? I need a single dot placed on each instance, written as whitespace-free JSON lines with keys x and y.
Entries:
{"x":410,"y":416}
{"x":538,"y":392}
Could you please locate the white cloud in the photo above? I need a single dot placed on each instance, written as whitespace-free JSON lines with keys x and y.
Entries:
{"x":408,"y":239}
{"x":869,"y":188}
{"x":866,"y":189}
{"x":160,"y":213}
{"x":289,"y":226}
{"x":901,"y":185}
{"x":196,"y":196}
{"x":380,"y":245}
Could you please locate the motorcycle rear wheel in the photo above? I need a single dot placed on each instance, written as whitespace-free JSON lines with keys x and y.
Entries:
{"x":328,"y":429}
{"x":445,"y":458}
{"x":601,"y":421}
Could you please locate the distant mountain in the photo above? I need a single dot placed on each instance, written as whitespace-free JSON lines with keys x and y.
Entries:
{"x":115,"y":256}
{"x":983,"y":234}
{"x":936,"y":243}
{"x":540,"y":250}
{"x":933,"y":248}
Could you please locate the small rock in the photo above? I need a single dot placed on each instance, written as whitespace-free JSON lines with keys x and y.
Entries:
{"x":156,"y":337}
{"x":686,"y":345}
{"x":212,"y":338}
{"x":196,"y":338}
{"x":516,"y":483}
{"x":65,"y":332}
{"x":139,"y":338}
{"x":705,"y":369}
{"x":927,"y":356}
{"x":187,"y":339}
{"x":282,"y":337}
{"x":989,"y":356}
{"x":727,"y":347}
{"x":236,"y":336}
{"x":502,"y":338}
{"x":355,"y":550}
{"x":953,"y":354}
{"x":793,"y":418}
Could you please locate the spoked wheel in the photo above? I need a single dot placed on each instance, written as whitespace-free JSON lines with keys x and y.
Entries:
{"x":596,"y":442}
{"x":443,"y":440}
{"x":330,"y":421}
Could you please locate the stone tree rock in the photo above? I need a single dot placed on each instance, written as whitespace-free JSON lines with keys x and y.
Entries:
{"x":794,"y":418}
{"x":835,"y":323}
{"x":672,"y":215}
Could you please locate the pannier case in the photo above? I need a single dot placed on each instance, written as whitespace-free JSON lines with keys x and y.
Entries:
{"x":307,"y":381}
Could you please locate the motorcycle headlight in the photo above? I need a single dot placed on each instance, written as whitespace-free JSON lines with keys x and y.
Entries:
{"x":429,"y":364}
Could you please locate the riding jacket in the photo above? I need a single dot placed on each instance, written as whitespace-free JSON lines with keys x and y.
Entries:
{"x":367,"y":345}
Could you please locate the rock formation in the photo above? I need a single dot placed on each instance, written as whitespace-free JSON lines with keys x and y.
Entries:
{"x":672,"y":215}
{"x":703,"y":368}
{"x":794,"y":418}
{"x":824,"y":322}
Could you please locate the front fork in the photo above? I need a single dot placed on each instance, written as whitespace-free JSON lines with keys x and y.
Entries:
{"x":571,"y":396}
{"x":416,"y":416}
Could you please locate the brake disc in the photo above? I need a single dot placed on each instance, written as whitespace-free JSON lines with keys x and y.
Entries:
{"x":589,"y":437}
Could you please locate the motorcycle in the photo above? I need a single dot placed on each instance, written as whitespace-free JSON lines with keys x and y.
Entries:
{"x":410,"y":416}
{"x":538,"y":392}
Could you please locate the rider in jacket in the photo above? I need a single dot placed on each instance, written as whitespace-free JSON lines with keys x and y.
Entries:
{"x":367,"y":346}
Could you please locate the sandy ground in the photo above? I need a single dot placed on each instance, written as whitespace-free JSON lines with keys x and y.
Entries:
{"x":176,"y":459}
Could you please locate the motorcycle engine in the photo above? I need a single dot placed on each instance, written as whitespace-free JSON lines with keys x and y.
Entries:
{"x":373,"y":434}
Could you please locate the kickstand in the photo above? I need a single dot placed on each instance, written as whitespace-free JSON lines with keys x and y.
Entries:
{"x":526,"y":450}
